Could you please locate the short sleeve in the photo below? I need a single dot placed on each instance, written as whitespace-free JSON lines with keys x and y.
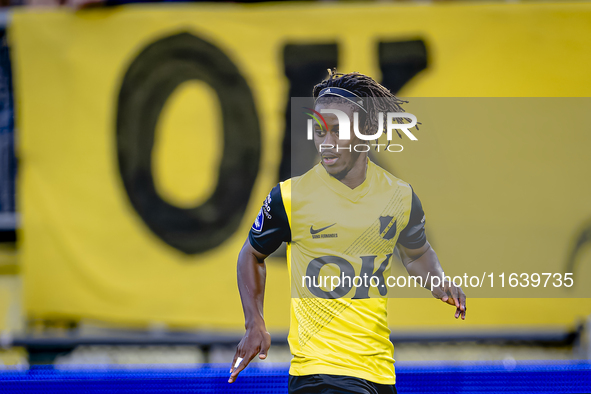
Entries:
{"x":271,"y":226}
{"x":413,"y":236}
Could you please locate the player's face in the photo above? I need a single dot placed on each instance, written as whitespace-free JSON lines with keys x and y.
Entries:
{"x":337,"y":162}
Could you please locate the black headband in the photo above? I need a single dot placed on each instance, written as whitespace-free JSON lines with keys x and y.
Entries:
{"x":343,"y":93}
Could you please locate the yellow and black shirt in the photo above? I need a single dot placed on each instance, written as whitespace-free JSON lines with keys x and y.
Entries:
{"x":331,"y":229}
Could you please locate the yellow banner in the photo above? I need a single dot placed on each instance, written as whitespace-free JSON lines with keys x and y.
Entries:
{"x":149,"y":137}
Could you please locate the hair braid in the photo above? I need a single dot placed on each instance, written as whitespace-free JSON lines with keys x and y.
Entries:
{"x":379,"y":99}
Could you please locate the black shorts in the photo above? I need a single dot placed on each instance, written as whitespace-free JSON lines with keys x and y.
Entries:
{"x":336,"y":384}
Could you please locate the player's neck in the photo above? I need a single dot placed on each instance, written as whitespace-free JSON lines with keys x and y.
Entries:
{"x":357,"y":174}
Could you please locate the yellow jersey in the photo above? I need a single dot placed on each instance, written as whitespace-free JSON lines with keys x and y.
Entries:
{"x":332,"y":230}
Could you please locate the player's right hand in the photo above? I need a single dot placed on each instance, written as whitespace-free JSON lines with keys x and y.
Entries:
{"x":256,"y":340}
{"x":452,"y":295}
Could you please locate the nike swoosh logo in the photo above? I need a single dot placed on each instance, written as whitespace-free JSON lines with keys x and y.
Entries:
{"x":312,"y":231}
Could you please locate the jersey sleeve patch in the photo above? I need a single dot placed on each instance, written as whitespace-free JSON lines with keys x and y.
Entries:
{"x":258,"y":222}
{"x":271,"y":226}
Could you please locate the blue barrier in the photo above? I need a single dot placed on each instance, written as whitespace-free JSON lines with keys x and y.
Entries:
{"x":448,"y":377}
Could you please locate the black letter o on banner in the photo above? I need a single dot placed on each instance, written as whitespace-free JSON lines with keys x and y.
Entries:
{"x":151,"y":78}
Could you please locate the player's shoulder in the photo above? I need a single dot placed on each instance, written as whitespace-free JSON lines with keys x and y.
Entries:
{"x":305,"y":185}
{"x":386,"y":179}
{"x":308,"y":178}
{"x":285,"y":188}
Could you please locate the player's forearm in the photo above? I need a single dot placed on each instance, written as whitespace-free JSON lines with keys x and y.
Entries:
{"x":251,"y":284}
{"x":426,"y":266}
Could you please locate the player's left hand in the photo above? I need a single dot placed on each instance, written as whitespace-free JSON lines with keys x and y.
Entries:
{"x":452,"y":295}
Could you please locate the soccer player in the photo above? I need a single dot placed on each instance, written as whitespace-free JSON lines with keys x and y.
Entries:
{"x":346,"y":212}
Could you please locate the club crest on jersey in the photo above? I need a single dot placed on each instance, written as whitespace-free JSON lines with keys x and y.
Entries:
{"x":258,"y":222}
{"x":387,"y":227}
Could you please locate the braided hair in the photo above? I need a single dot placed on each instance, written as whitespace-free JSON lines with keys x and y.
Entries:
{"x":379,"y":99}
